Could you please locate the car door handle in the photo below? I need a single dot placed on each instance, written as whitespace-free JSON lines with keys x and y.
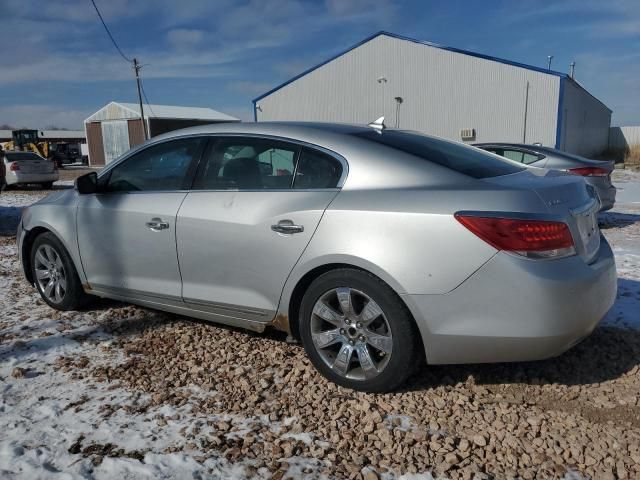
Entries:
{"x":156,"y":224}
{"x":287,"y":227}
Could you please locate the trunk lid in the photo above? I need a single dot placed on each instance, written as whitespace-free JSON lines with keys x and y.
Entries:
{"x":30,"y":162}
{"x":567,"y":198}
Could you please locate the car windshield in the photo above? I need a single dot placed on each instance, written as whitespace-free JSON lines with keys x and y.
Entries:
{"x":17,"y":156}
{"x":455,"y":156}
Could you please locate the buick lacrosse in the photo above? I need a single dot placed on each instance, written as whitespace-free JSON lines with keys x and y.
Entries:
{"x":376,"y":248}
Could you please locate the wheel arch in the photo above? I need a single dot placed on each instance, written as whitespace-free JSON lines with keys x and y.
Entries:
{"x":27,"y":243}
{"x":291,"y":311}
{"x":25,"y":254}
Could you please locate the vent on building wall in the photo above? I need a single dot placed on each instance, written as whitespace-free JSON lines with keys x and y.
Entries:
{"x":468,"y":134}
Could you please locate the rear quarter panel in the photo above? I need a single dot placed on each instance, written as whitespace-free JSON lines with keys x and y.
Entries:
{"x":408,"y":237}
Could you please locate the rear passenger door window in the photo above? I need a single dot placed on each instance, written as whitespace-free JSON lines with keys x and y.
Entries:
{"x":317,"y":169}
{"x":263,"y":164}
{"x":247,"y":164}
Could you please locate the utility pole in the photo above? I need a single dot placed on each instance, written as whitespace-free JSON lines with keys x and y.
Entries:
{"x":572,"y":69}
{"x":137,"y":67}
{"x":549,"y":58}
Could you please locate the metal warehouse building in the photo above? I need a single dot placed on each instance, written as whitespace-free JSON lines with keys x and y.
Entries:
{"x":443,"y":91}
{"x":117,"y":127}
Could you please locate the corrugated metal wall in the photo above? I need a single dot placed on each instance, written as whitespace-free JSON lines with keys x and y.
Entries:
{"x":136,"y":133}
{"x":94,"y":141}
{"x":624,"y":137}
{"x":443,"y":92}
{"x":585,"y":122}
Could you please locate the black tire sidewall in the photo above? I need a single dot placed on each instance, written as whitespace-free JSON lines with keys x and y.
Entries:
{"x":75,"y":295}
{"x":403,"y":329}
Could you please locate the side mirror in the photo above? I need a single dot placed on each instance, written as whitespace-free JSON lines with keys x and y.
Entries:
{"x":87,"y":183}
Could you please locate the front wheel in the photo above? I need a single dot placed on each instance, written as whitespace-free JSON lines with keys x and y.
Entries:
{"x":357,"y":332}
{"x":47,"y":185}
{"x":55,"y":275}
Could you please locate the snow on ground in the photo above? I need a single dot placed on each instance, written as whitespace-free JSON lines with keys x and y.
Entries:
{"x":51,"y":422}
{"x":621,"y":226}
{"x":47,"y":424}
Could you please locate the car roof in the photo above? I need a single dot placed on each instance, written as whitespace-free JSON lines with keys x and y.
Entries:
{"x":368,"y":162}
{"x":269,"y":128}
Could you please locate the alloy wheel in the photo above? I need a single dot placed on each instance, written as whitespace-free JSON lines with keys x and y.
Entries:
{"x":351,"y":333}
{"x":50,"y":273}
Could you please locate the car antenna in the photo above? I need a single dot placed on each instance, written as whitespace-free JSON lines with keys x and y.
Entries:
{"x":378,"y":125}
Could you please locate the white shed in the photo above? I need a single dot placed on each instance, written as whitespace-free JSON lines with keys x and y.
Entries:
{"x":117,"y":127}
{"x":444,"y":91}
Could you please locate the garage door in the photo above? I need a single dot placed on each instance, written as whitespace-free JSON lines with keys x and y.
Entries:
{"x":115,"y":137}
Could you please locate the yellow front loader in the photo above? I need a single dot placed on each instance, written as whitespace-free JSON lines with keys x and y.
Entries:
{"x":27,"y":141}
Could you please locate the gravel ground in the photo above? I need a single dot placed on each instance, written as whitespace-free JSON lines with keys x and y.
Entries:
{"x":121,"y":390}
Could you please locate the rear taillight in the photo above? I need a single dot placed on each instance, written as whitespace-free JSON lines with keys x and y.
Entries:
{"x":14,"y":167}
{"x":589,"y":171}
{"x":529,"y":238}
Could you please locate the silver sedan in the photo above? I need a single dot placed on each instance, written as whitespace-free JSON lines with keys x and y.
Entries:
{"x":374,"y":247}
{"x":596,"y":173}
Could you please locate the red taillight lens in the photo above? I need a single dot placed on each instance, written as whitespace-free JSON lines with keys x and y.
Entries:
{"x":590,"y":171}
{"x":550,"y":239}
{"x":14,"y":167}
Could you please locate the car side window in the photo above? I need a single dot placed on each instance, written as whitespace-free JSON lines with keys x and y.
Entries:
{"x":164,"y":166}
{"x":247,"y":164}
{"x":317,"y":170}
{"x":520,"y":156}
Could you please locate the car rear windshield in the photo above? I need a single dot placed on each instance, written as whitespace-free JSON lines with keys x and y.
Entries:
{"x":459,"y":157}
{"x":17,"y":156}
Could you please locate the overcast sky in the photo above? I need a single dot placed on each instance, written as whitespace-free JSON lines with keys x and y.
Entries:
{"x":58,"y":65}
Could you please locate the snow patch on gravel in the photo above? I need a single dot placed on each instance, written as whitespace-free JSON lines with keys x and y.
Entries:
{"x":622,"y":230}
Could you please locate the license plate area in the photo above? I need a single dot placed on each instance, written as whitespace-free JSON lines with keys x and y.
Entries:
{"x":35,"y":166}
{"x":587,"y":224}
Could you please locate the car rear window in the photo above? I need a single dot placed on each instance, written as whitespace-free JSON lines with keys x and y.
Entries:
{"x":455,"y":156}
{"x":17,"y":156}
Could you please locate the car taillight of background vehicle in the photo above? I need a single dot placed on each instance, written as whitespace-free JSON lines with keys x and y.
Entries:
{"x":589,"y":171}
{"x":528,"y":238}
{"x":14,"y":167}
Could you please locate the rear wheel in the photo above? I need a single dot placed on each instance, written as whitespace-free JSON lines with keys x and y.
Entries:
{"x":357,"y":332}
{"x":55,"y":275}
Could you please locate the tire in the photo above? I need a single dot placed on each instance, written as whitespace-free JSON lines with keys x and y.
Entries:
{"x":47,"y":185}
{"x":59,"y":266}
{"x":385,"y":323}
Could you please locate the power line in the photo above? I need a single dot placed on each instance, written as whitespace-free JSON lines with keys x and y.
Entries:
{"x":115,"y":44}
{"x":144,"y":94}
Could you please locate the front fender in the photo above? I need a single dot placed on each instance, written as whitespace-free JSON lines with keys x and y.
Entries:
{"x":59,"y":219}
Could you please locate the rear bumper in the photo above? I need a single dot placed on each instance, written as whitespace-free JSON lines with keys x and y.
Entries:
{"x":515,"y":309}
{"x":605,"y":190}
{"x":14,"y":179}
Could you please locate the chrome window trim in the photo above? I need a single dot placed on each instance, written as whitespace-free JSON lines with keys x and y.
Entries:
{"x":209,"y":136}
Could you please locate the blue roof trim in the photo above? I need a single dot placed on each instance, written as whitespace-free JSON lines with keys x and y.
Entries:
{"x":559,"y":116}
{"x":430,"y":44}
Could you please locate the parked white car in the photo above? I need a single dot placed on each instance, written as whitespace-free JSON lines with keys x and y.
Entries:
{"x":29,"y":167}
